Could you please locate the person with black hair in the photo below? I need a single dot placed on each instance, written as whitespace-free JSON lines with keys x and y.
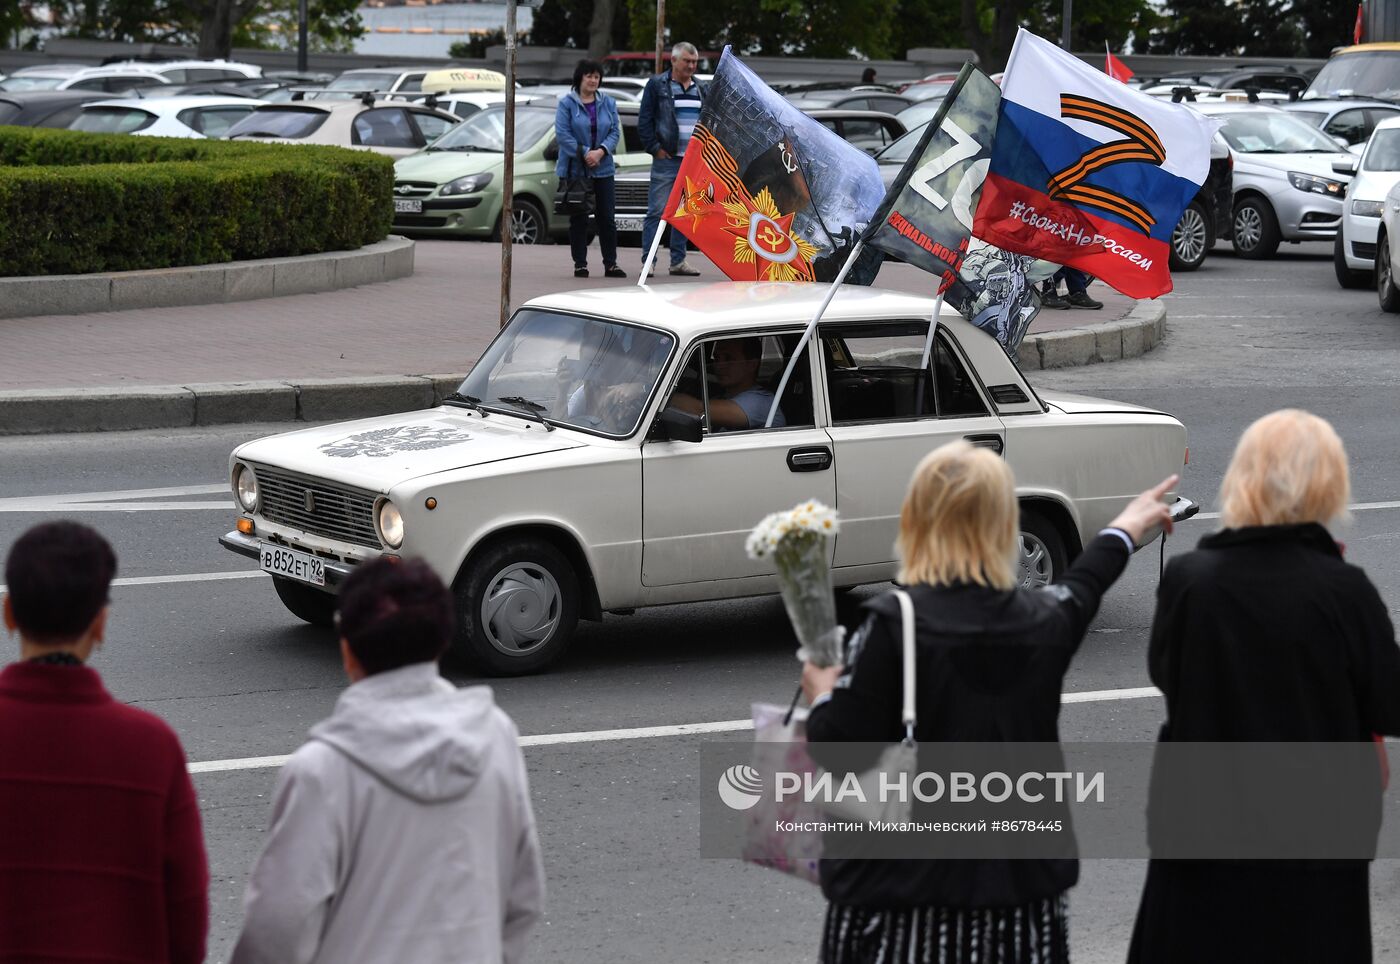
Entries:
{"x":102,"y":856}
{"x":868,"y":75}
{"x":402,"y":830}
{"x":588,"y":129}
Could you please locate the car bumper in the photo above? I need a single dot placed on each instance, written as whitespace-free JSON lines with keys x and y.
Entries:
{"x":1359,"y":234}
{"x":1305,"y":216}
{"x":471,"y":215}
{"x":251,"y":546}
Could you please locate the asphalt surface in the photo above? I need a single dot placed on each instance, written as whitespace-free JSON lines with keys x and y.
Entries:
{"x":239,"y":678}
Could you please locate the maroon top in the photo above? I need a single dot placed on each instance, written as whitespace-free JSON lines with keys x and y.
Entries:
{"x":101,"y":854}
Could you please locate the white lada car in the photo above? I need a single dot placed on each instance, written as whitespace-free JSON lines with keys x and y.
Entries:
{"x":608,"y":452}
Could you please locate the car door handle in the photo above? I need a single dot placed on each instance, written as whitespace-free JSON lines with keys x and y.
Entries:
{"x":992,"y":442}
{"x":813,"y":458}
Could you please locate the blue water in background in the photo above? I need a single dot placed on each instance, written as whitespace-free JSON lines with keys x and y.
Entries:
{"x":460,"y":16}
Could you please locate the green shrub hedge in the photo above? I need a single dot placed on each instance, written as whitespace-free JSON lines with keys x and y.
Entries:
{"x":74,"y":203}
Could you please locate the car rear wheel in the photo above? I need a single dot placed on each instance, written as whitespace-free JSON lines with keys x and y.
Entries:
{"x":305,"y":602}
{"x":1385,"y":278}
{"x":1042,"y":557}
{"x":517,"y":607}
{"x":1347,"y":277}
{"x":1190,"y":239}
{"x":1255,"y":229}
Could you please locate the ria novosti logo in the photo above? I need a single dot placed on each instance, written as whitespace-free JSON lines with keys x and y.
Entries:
{"x":740,"y":787}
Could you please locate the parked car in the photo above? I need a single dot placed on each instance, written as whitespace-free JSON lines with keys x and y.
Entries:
{"x":849,"y":99}
{"x":1374,"y":174}
{"x":389,"y":127}
{"x":1288,"y":81}
{"x":565,"y":479}
{"x":1351,"y":120}
{"x":1387,"y":251}
{"x":454,"y":187}
{"x":184,"y":71}
{"x":1207,"y":217}
{"x":464,"y":105}
{"x":920,"y":113}
{"x":1361,"y":70}
{"x":1285,"y":188}
{"x":164,"y":116}
{"x":870,"y":130}
{"x":379,"y":80}
{"x":43,"y":108}
{"x":892,"y":158}
{"x":91,"y":79}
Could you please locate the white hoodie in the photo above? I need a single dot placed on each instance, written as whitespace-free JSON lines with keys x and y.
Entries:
{"x":401,"y":833}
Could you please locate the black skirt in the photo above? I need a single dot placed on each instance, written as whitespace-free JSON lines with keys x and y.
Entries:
{"x":1033,"y":933}
{"x":1282,"y":912}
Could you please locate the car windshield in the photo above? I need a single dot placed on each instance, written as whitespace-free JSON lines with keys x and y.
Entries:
{"x":486,"y":131}
{"x":582,"y":372}
{"x":1265,"y":132}
{"x":384,"y":81}
{"x":1372,"y":74}
{"x":289,"y":121}
{"x":899,"y":151}
{"x":1384,"y":152}
{"x":32,"y":83}
{"x":920,"y":113}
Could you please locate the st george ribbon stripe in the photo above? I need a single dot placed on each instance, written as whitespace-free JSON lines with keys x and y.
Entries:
{"x":647,"y":732}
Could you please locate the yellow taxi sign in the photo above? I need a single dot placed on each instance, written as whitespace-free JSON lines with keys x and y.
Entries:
{"x":460,"y":79}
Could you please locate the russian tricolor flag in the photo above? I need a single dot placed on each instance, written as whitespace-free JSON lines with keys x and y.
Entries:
{"x":1089,"y":173}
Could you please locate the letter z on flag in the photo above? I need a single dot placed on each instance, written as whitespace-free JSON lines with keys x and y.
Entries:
{"x":1075,"y":146}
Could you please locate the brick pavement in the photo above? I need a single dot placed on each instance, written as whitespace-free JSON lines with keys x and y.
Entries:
{"x":439,"y":320}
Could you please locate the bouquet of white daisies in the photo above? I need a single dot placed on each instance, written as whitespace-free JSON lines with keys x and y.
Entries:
{"x":796,"y":541}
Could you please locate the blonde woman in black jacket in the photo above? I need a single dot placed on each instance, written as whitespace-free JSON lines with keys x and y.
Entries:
{"x":990,"y":662}
{"x":1265,"y":634}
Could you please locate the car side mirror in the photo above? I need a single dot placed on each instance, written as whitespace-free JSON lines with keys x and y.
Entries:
{"x":1346,"y":165}
{"x":674,"y":425}
{"x":1342,"y":141}
{"x":551,"y":153}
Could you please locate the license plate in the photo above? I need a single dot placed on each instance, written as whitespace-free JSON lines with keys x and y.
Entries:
{"x":628,"y":224}
{"x":407,"y":206}
{"x":301,"y":566}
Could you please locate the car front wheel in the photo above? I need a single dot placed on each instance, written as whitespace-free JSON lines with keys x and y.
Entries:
{"x":1347,"y":277}
{"x":1190,"y":239}
{"x":1385,"y":278}
{"x":1255,"y":230}
{"x":517,"y":605}
{"x":1042,"y":557}
{"x":305,"y":602}
{"x":527,"y":222}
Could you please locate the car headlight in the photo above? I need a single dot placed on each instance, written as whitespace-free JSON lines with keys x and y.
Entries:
{"x":390,"y":523}
{"x":1367,"y":209}
{"x":465,"y":185}
{"x":245,"y":487}
{"x":1317,"y":185}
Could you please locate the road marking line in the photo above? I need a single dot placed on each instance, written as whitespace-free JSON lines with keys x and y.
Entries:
{"x":646,"y":732}
{"x":1358,"y":507}
{"x":120,"y":500}
{"x":187,"y":577}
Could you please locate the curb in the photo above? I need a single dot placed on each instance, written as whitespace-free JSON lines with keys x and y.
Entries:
{"x":44,"y":411}
{"x":1138,"y":332}
{"x":205,"y":284}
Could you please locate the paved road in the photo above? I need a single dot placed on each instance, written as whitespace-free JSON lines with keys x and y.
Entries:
{"x":238,"y":678}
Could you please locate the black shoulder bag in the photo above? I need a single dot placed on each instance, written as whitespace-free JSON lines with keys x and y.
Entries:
{"x":575,"y":194}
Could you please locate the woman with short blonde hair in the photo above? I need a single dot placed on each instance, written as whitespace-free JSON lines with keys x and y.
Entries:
{"x":1265,"y":634}
{"x":991,"y":659}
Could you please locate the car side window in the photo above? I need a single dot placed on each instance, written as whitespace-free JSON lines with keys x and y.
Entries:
{"x":181,"y":76}
{"x":213,"y":121}
{"x":956,"y":390}
{"x":1349,"y":124}
{"x":383,"y":127}
{"x":731,"y":381}
{"x":873,"y":372}
{"x":889,"y":105}
{"x":431,"y":125}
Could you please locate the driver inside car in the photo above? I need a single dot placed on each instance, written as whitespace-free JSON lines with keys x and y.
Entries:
{"x":605,"y":387}
{"x":744,"y":403}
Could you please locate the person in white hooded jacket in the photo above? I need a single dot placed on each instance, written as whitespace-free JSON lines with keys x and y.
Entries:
{"x":402,"y":831}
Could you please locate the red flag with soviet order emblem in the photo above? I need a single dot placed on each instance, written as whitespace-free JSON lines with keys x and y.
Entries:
{"x":766,"y":192}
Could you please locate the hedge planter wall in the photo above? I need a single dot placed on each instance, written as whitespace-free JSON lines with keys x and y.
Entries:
{"x":75,"y":203}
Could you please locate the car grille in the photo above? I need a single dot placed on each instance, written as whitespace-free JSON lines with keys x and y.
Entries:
{"x":631,"y":196}
{"x":1360,"y":249}
{"x":413,"y":188}
{"x":418,"y":221}
{"x":337,"y":512}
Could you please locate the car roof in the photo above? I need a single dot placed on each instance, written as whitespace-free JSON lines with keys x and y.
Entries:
{"x":173,"y":105}
{"x":1337,"y":103}
{"x":1233,"y":107}
{"x":350,"y":105}
{"x":49,"y":96}
{"x":1390,"y":123}
{"x":701,"y":308}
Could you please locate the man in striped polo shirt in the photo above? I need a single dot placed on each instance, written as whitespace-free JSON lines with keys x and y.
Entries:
{"x":670,"y":110}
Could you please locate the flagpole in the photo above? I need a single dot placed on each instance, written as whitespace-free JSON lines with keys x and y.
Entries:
{"x":932,"y":325}
{"x":812,"y":329}
{"x":651,"y":255}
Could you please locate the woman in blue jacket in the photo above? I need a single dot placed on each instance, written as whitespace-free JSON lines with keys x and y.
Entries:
{"x":588,"y":130}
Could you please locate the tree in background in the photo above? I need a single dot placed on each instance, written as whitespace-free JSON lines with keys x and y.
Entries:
{"x":571,"y":23}
{"x":333,"y":26}
{"x":1255,"y":28}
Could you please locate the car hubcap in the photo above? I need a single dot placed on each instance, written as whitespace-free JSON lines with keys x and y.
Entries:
{"x":523,"y":227}
{"x":1189,"y":238}
{"x":1383,"y":275}
{"x":1249,"y":227}
{"x":1035,"y":567}
{"x":521,"y":609}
